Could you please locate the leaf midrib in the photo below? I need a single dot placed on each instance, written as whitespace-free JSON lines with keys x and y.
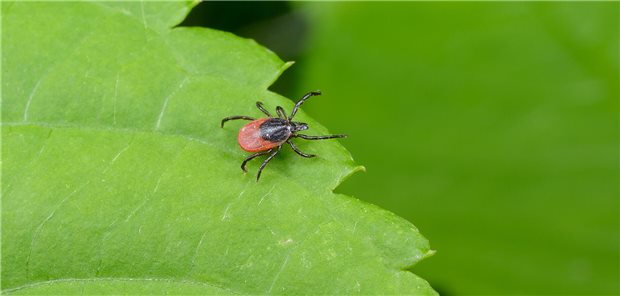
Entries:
{"x":169,"y":134}
{"x":117,"y":279}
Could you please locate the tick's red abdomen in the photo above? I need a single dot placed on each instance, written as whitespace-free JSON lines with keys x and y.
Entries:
{"x":250,"y":139}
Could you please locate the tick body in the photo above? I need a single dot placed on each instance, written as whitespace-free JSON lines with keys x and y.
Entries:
{"x":265,"y":136}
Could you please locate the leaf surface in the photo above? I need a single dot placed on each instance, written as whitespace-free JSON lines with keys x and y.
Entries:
{"x":117,"y":177}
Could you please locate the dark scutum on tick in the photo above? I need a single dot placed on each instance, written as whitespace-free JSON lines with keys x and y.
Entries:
{"x":265,"y":136}
{"x":275,"y":130}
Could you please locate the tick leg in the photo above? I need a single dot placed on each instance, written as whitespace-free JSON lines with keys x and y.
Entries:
{"x":236,"y":117}
{"x":281,"y":112}
{"x":255,"y":155}
{"x":298,"y":151}
{"x":325,"y":137}
{"x":302,"y":100}
{"x":260,"y":107}
{"x":262,"y":166}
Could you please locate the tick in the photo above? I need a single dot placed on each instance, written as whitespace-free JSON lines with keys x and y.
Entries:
{"x":265,"y":136}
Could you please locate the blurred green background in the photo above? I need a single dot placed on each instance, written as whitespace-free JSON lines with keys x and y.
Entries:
{"x":493,"y":127}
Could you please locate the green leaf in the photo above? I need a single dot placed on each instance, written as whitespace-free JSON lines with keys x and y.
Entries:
{"x":117,"y":177}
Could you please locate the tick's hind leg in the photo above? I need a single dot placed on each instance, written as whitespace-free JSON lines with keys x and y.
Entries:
{"x":255,"y":155}
{"x":236,"y":117}
{"x":299,"y":151}
{"x":262,"y":166}
{"x":325,"y":137}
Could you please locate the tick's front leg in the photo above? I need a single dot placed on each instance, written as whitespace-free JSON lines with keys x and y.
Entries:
{"x":325,"y":137}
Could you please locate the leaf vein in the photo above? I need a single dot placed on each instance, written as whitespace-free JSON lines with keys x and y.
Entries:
{"x":115,"y":98}
{"x":165,"y":104}
{"x":47,"y":72}
{"x":134,"y":211}
{"x":266,"y":194}
{"x":275,"y":279}
{"x":226,"y":215}
{"x":42,"y":224}
{"x":142,"y":14}
{"x":204,"y":234}
{"x":32,"y":93}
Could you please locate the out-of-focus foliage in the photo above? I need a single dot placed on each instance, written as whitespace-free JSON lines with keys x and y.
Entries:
{"x":491,"y":126}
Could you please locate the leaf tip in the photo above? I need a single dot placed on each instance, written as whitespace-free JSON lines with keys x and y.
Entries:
{"x":349,"y":173}
{"x":284,"y":67}
{"x":429,"y":253}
